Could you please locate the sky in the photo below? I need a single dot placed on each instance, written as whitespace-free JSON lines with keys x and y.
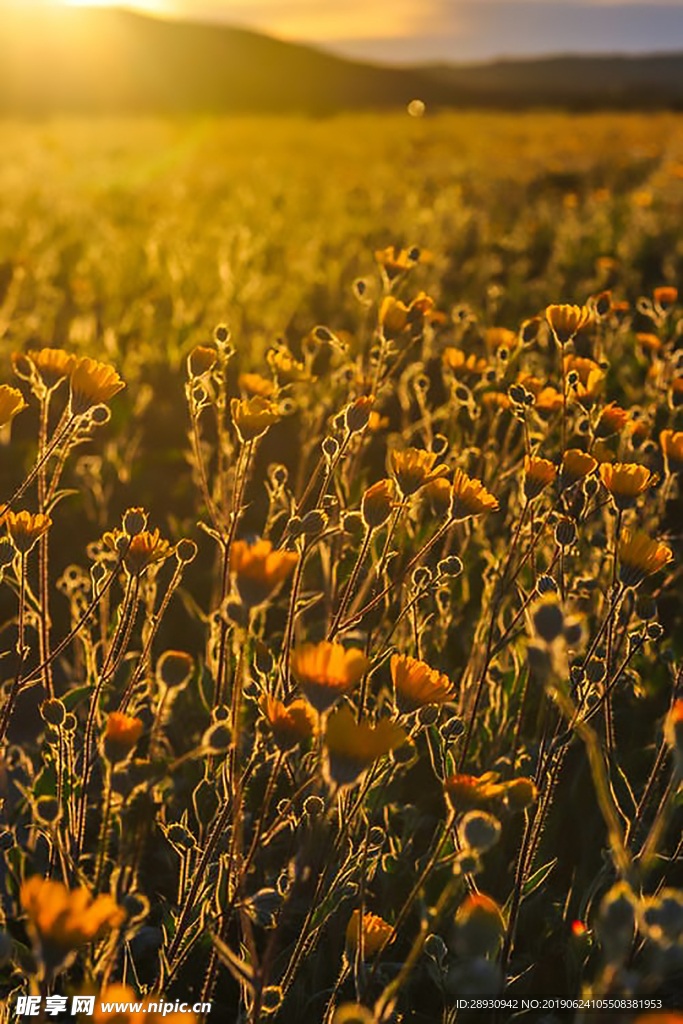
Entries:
{"x":454,"y":30}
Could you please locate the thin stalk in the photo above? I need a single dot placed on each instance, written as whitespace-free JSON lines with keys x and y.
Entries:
{"x":350,"y":586}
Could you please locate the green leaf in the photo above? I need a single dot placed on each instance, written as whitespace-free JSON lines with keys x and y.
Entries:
{"x":536,"y":880}
{"x":74,"y":697}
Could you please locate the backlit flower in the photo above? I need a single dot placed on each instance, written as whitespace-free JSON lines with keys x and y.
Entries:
{"x":469,"y":497}
{"x":254,"y":384}
{"x":500,"y":337}
{"x":91,"y":383}
{"x":61,"y":920}
{"x":566,"y":320}
{"x":286,"y":368}
{"x":326,"y":671}
{"x":413,"y":468}
{"x":460,"y":363}
{"x":467,"y":791}
{"x":576,"y":465}
{"x":672,"y":446}
{"x":290,"y":724}
{"x":548,"y":400}
{"x":253,"y":416}
{"x":395,"y":316}
{"x":396,"y":260}
{"x":25,"y":528}
{"x":259,"y":570}
{"x":377,"y":503}
{"x":665,"y":297}
{"x":53,"y":365}
{"x":141,"y":551}
{"x":121,"y":734}
{"x":11,"y":402}
{"x":201,"y":360}
{"x":673,"y":729}
{"x":612,"y":419}
{"x":649,"y":342}
{"x":375,"y":932}
{"x":538,"y":473}
{"x":352,"y":747}
{"x":625,"y":481}
{"x":439,"y":494}
{"x":640,"y":556}
{"x":590,"y":377}
{"x":416,"y":684}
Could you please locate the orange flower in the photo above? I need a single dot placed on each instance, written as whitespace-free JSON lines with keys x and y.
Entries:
{"x":140,"y":1011}
{"x":11,"y":402}
{"x":566,"y":321}
{"x":286,"y":368}
{"x":259,"y":570}
{"x":121,"y":734}
{"x":612,"y":419}
{"x":416,"y":684}
{"x":25,"y":528}
{"x":576,"y":465}
{"x":625,"y":481}
{"x":500,"y":337}
{"x":650,"y":342}
{"x":455,"y":359}
{"x":352,"y":747}
{"x":468,"y":791}
{"x":61,"y":920}
{"x":290,"y":724}
{"x":91,"y":383}
{"x":439,"y":494}
{"x":53,"y":365}
{"x":665,"y":297}
{"x":326,"y":671}
{"x":469,"y":497}
{"x":538,"y":473}
{"x":413,"y":469}
{"x":201,"y":360}
{"x":395,"y":316}
{"x":377,"y":503}
{"x":673,"y":727}
{"x":589,"y":375}
{"x":672,"y":446}
{"x":253,"y":416}
{"x":255,"y":384}
{"x":144,"y":549}
{"x":396,"y":260}
{"x":548,"y":400}
{"x":375,"y":932}
{"x":640,"y":556}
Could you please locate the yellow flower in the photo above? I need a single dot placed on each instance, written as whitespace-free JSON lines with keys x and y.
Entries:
{"x":121,"y":734}
{"x":590,"y":378}
{"x":61,"y":920}
{"x":625,"y":481}
{"x":91,"y":383}
{"x":640,"y":556}
{"x":259,"y":570}
{"x":576,"y":465}
{"x":255,"y":384}
{"x":53,"y":364}
{"x":538,"y":473}
{"x":144,"y":549}
{"x":665,"y":296}
{"x":396,"y":260}
{"x":201,"y":360}
{"x":11,"y":402}
{"x":286,"y":368}
{"x":650,"y":342}
{"x":500,"y":337}
{"x":326,"y":671}
{"x":439,"y":494}
{"x":672,"y":446}
{"x":548,"y":400}
{"x":416,"y":684}
{"x":612,"y":419}
{"x":25,"y":528}
{"x":455,"y":359}
{"x":469,"y":497}
{"x":290,"y":724}
{"x":465,"y":792}
{"x":123,"y":994}
{"x":253,"y":416}
{"x":566,"y":321}
{"x":375,"y":931}
{"x":352,"y":747}
{"x":395,"y":316}
{"x":377,"y":503}
{"x":413,"y":469}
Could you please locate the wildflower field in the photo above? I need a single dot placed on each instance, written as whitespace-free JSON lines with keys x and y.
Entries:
{"x":341,"y":665}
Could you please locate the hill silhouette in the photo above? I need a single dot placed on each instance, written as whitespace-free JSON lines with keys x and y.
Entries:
{"x":97,"y":60}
